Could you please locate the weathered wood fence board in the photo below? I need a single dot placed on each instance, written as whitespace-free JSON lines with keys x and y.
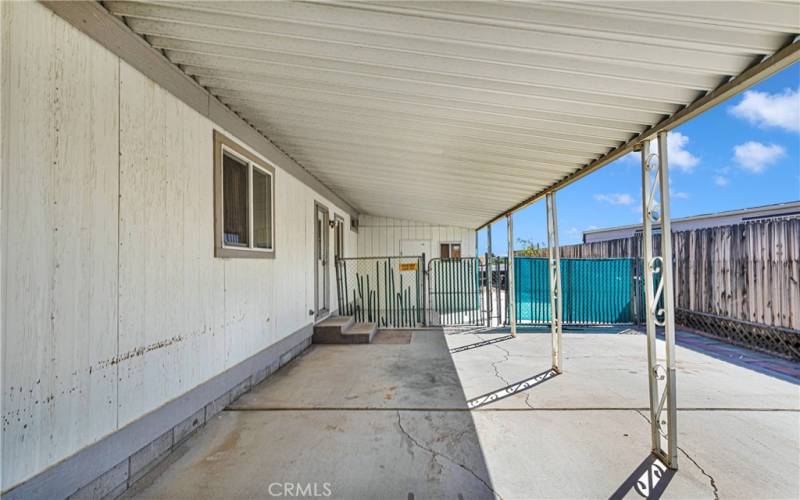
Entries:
{"x":748,"y":272}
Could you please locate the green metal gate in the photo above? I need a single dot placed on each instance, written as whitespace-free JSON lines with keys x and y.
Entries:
{"x":454,"y":291}
{"x":595,"y":291}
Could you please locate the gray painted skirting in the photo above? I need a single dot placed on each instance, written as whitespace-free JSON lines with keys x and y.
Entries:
{"x":109,"y":466}
{"x":94,"y":20}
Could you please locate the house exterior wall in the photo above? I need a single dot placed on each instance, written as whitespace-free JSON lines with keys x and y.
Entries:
{"x":113,"y":303}
{"x":382,"y":236}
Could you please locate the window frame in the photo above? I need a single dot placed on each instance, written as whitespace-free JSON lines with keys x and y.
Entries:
{"x":450,"y":245}
{"x":338,"y":236}
{"x":225,"y":145}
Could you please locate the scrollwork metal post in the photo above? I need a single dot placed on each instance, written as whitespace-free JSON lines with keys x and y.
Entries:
{"x":511,"y":299}
{"x":659,"y":301}
{"x":554,"y":270}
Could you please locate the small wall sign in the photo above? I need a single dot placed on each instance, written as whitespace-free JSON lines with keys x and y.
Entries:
{"x":408,"y":266}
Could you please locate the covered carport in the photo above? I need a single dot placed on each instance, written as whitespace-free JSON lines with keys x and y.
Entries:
{"x":462,"y":114}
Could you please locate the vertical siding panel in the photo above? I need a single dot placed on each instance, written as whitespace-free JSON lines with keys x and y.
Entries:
{"x":28,"y":202}
{"x":204,"y":314}
{"x":60,"y":181}
{"x":142,"y":230}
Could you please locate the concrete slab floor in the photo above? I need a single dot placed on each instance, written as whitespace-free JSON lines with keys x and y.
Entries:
{"x":461,"y":414}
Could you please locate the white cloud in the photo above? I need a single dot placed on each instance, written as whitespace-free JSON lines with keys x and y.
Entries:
{"x":615,"y":198}
{"x":756,"y":157}
{"x":683,"y":195}
{"x":763,"y":109}
{"x":679,"y":157}
{"x":721,"y":180}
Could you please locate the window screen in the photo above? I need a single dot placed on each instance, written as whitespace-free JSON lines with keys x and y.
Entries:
{"x":262,"y":208}
{"x":234,"y":182}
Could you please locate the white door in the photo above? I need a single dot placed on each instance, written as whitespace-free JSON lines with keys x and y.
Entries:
{"x":415,"y":247}
{"x":321,"y":259}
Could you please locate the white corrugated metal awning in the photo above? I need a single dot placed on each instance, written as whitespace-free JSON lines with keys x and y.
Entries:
{"x":452,"y":112}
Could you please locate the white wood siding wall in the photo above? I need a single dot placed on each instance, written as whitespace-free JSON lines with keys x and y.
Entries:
{"x":112,"y":300}
{"x":379,"y":236}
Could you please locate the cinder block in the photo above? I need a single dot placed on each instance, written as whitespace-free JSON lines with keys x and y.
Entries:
{"x":116,"y":492}
{"x":240,"y":389}
{"x":217,"y":405}
{"x":149,"y":456}
{"x":110,"y":482}
{"x":185,"y":429}
{"x":260,"y":375}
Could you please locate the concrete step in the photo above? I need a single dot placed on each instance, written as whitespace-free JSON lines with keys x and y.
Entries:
{"x":360,"y":333}
{"x":343,"y":330}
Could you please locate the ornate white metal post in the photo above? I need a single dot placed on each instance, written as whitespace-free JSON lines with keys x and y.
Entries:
{"x":511,"y":299}
{"x":659,"y":301}
{"x":554,"y":268}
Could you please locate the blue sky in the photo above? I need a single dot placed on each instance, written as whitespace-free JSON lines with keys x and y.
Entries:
{"x":744,"y":152}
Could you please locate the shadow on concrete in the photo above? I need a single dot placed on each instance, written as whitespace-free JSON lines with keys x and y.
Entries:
{"x":620,"y":329}
{"x":480,"y":344}
{"x":649,"y":480}
{"x":511,"y":389}
{"x":468,"y":329}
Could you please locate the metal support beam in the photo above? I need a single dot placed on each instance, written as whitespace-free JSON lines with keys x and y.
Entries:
{"x":660,"y":310}
{"x":555,"y":281}
{"x":489,"y":275}
{"x":510,"y":278}
{"x":498,"y":303}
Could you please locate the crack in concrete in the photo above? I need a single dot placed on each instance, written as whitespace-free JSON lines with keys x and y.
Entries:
{"x":435,"y":454}
{"x":703,"y":472}
{"x":711,"y":480}
{"x":506,"y":357}
{"x":500,"y":376}
{"x":527,"y":401}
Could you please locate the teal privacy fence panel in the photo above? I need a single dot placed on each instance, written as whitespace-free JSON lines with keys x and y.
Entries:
{"x":595,"y":291}
{"x":388,"y":291}
{"x":455,"y":291}
{"x":532,"y":286}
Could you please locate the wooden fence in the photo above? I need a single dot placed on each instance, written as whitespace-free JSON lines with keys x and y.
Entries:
{"x":742,"y":280}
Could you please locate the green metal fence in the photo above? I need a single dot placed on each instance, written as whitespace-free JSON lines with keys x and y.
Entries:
{"x":595,"y":291}
{"x":385,"y":290}
{"x":454,"y":288}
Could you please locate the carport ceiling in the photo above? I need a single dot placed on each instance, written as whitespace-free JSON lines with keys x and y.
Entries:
{"x":452,"y":112}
